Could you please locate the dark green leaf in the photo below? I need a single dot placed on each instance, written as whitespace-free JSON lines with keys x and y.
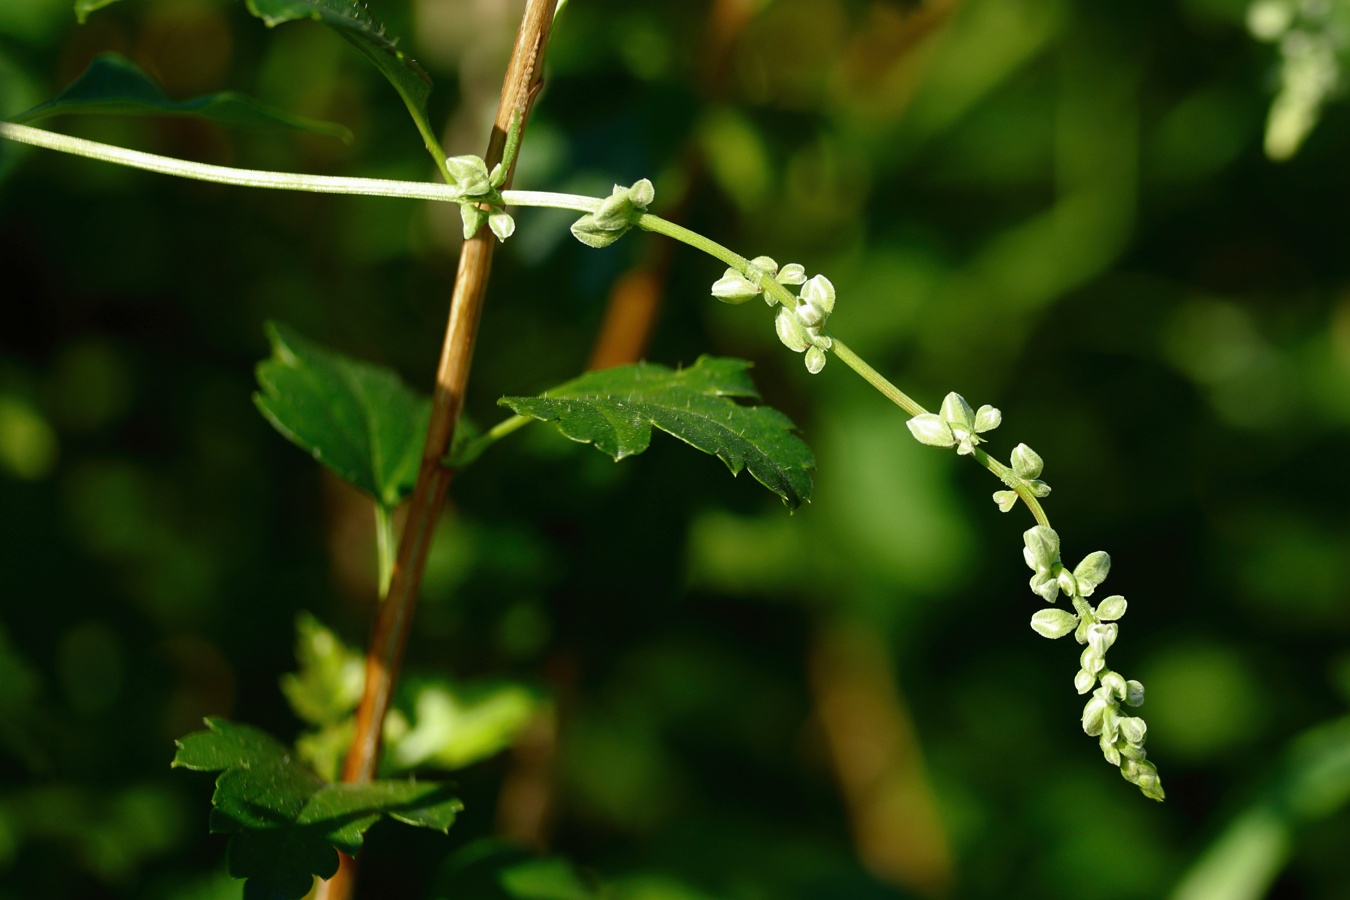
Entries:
{"x":492,"y":869}
{"x":113,"y":85}
{"x":357,"y":419}
{"x":614,"y":409}
{"x":354,"y":22}
{"x":286,"y":820}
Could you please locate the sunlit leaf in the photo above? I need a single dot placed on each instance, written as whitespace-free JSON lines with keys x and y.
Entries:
{"x":331,"y":675}
{"x":358,"y":419}
{"x":452,"y":726}
{"x":286,"y":820}
{"x":354,"y":22}
{"x":113,"y":85}
{"x":615,"y":410}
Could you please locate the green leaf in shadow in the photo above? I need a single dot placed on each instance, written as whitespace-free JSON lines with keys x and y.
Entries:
{"x":286,"y":820}
{"x":113,"y":85}
{"x":615,"y":410}
{"x":358,"y":419}
{"x":354,"y":22}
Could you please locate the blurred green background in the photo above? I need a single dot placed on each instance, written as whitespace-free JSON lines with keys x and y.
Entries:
{"x":1063,"y":209}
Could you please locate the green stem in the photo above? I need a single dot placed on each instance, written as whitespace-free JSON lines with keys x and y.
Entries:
{"x":474,"y":448}
{"x":543,"y":199}
{"x":385,"y":546}
{"x":874,"y":378}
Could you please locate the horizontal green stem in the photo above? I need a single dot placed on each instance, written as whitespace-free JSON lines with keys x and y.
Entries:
{"x":418,"y":190}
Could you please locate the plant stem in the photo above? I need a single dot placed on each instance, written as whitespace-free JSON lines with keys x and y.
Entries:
{"x":394,"y":617}
{"x":384,"y":546}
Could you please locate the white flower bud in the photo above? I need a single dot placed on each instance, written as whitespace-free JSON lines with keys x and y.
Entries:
{"x":1042,"y":545}
{"x":1134,"y":693}
{"x":502,"y":225}
{"x":1109,"y":749}
{"x":1093,"y":715}
{"x":815,"y":359}
{"x":470,"y":174}
{"x":1115,"y":684}
{"x":818,"y":294}
{"x":1133,"y":729}
{"x":791,"y":331}
{"x":1084,"y":681}
{"x":1067,"y":583}
{"x":1006,"y":500}
{"x":1101,"y":637}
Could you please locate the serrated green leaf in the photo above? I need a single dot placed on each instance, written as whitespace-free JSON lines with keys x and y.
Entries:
{"x":114,"y":85}
{"x":358,"y":419}
{"x":286,"y":820}
{"x":354,"y":22}
{"x":615,"y":410}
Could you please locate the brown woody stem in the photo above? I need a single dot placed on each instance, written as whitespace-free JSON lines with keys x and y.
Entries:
{"x":389,"y":635}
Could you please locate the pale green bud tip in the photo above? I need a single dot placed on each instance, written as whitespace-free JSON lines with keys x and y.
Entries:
{"x":502,"y":225}
{"x":1026,"y":463}
{"x":1144,"y":775}
{"x":1092,"y":571}
{"x":792,"y":273}
{"x":1114,"y":684}
{"x":1112,"y":608}
{"x":815,"y":359}
{"x":1053,"y":623}
{"x":818,"y":295}
{"x":473,"y":219}
{"x":1101,"y":637}
{"x":987,"y":418}
{"x":1134,"y":693}
{"x":1084,"y":681}
{"x":470,"y":174}
{"x":1042,"y":546}
{"x":642,"y":193}
{"x":957,"y":411}
{"x":1006,"y":500}
{"x":734,"y":288}
{"x":931,"y":430}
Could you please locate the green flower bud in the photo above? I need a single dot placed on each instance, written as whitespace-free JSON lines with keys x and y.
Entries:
{"x":1145,"y":775}
{"x":1042,"y":547}
{"x":473,"y":218}
{"x":470,"y":174}
{"x":792,"y":273}
{"x":1026,"y":462}
{"x":1092,"y":571}
{"x":1045,"y":586}
{"x":1092,"y":660}
{"x":931,"y":430}
{"x":1038,"y":488}
{"x":1101,"y":637}
{"x":957,"y":411}
{"x":1133,"y":729}
{"x":1084,"y":681}
{"x":1111,"y":608}
{"x":1053,"y":623}
{"x":815,"y":359}
{"x":1109,"y":749}
{"x":1114,"y":684}
{"x":1006,"y":500}
{"x":615,"y":215}
{"x":791,"y":331}
{"x":1067,"y":583}
{"x":987,"y":418}
{"x":817,"y":300}
{"x":734,"y":288}
{"x":1093,"y":716}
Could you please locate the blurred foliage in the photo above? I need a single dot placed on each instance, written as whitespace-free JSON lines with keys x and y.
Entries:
{"x":1064,"y":209}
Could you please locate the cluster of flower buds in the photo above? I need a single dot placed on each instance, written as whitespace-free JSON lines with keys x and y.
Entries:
{"x":615,"y":215}
{"x":1121,"y":736}
{"x":801,"y":325}
{"x":1026,"y":470}
{"x":476,"y":187}
{"x":956,"y":426}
